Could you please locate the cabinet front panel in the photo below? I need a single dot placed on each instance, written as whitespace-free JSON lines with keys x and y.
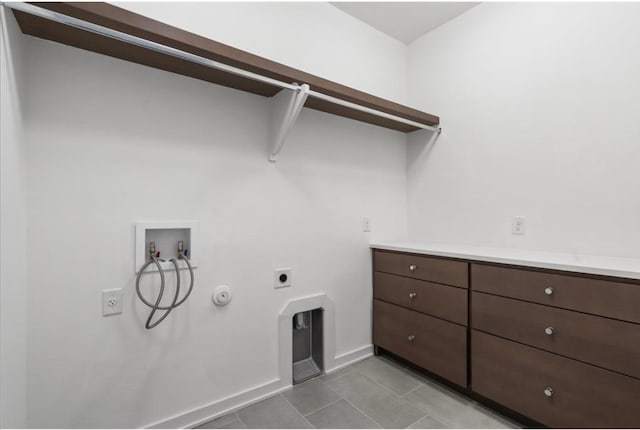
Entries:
{"x":438,"y":270}
{"x":606,"y":298}
{"x":604,"y":342}
{"x":442,"y":301}
{"x":553,"y":390}
{"x":436,"y":345}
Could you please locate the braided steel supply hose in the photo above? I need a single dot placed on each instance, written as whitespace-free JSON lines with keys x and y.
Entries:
{"x":155,"y":307}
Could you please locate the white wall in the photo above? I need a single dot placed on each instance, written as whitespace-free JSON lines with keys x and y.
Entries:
{"x":111,"y":143}
{"x":13,"y":282}
{"x":539,"y":104}
{"x":315,"y":37}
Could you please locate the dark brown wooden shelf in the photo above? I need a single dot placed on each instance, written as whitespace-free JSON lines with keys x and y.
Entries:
{"x":122,"y":20}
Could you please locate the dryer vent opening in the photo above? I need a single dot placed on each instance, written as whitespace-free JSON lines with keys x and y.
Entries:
{"x":307,"y":345}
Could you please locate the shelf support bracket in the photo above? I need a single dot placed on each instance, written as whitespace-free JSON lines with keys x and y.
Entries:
{"x":286,"y":106}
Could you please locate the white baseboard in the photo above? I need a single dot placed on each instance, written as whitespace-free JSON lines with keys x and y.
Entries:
{"x":351,"y":357}
{"x":201,"y":415}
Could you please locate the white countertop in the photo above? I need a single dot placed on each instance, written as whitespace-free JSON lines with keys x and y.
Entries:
{"x":592,"y":264}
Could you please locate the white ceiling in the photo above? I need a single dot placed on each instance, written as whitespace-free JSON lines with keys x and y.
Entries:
{"x":405,"y":21}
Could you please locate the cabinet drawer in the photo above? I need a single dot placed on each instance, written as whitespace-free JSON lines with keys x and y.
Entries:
{"x":438,"y":270}
{"x":431,"y":343}
{"x":582,"y":395}
{"x":442,"y":301}
{"x":607,"y":343}
{"x":607,"y":298}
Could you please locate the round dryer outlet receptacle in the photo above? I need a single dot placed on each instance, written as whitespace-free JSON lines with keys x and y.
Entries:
{"x":221,"y":295}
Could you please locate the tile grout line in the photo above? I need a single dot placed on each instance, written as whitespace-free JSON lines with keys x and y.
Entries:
{"x":446,"y":390}
{"x":419,"y":419}
{"x":319,"y":409}
{"x":335,"y":376}
{"x":384,"y":387}
{"x":296,"y":409}
{"x":435,"y":416}
{"x":420,"y":383}
{"x":364,"y":413}
{"x":469,"y":403}
{"x":240,"y":419}
{"x":412,"y":390}
{"x":389,"y":390}
{"x":423,"y":382}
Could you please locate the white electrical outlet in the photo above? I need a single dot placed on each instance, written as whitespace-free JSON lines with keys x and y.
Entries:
{"x":517,"y":225}
{"x":281,"y":278}
{"x":366,"y":224}
{"x":111,"y":302}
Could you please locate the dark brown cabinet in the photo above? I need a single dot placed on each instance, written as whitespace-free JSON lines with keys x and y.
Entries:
{"x":553,"y":390}
{"x":607,"y":298}
{"x":443,"y":271}
{"x":429,"y":342}
{"x":438,"y":300}
{"x":603,"y":342}
{"x":560,"y":348}
{"x":420,"y":311}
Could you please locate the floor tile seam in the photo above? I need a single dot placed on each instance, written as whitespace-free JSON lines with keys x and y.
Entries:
{"x":393,"y":393}
{"x":338,"y":377}
{"x":398,"y":396}
{"x":436,"y":416}
{"x":240,"y":419}
{"x":346,"y":371}
{"x":324,"y":407}
{"x":447,"y":422}
{"x":326,"y":385}
{"x":384,"y":387}
{"x":234,"y":422}
{"x":420,"y":383}
{"x":235,"y":414}
{"x":420,"y":419}
{"x":412,"y":390}
{"x":298,"y":412}
{"x":443,"y":389}
{"x":363,"y":413}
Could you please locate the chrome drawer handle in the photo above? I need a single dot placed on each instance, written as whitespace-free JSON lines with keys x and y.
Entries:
{"x":413,"y":267}
{"x":548,"y":391}
{"x":548,"y":291}
{"x":411,"y":338}
{"x":413,"y":295}
{"x":549,"y":330}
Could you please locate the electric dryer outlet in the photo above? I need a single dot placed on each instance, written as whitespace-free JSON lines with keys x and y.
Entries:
{"x":281,"y":278}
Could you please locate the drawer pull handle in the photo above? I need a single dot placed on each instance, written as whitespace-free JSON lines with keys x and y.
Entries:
{"x":411,"y":338}
{"x":548,"y":291}
{"x":548,"y":391}
{"x":413,"y":267}
{"x":549,"y":330}
{"x":413,"y":295}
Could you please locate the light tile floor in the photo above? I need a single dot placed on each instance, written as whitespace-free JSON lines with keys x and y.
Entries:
{"x":375,"y":393}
